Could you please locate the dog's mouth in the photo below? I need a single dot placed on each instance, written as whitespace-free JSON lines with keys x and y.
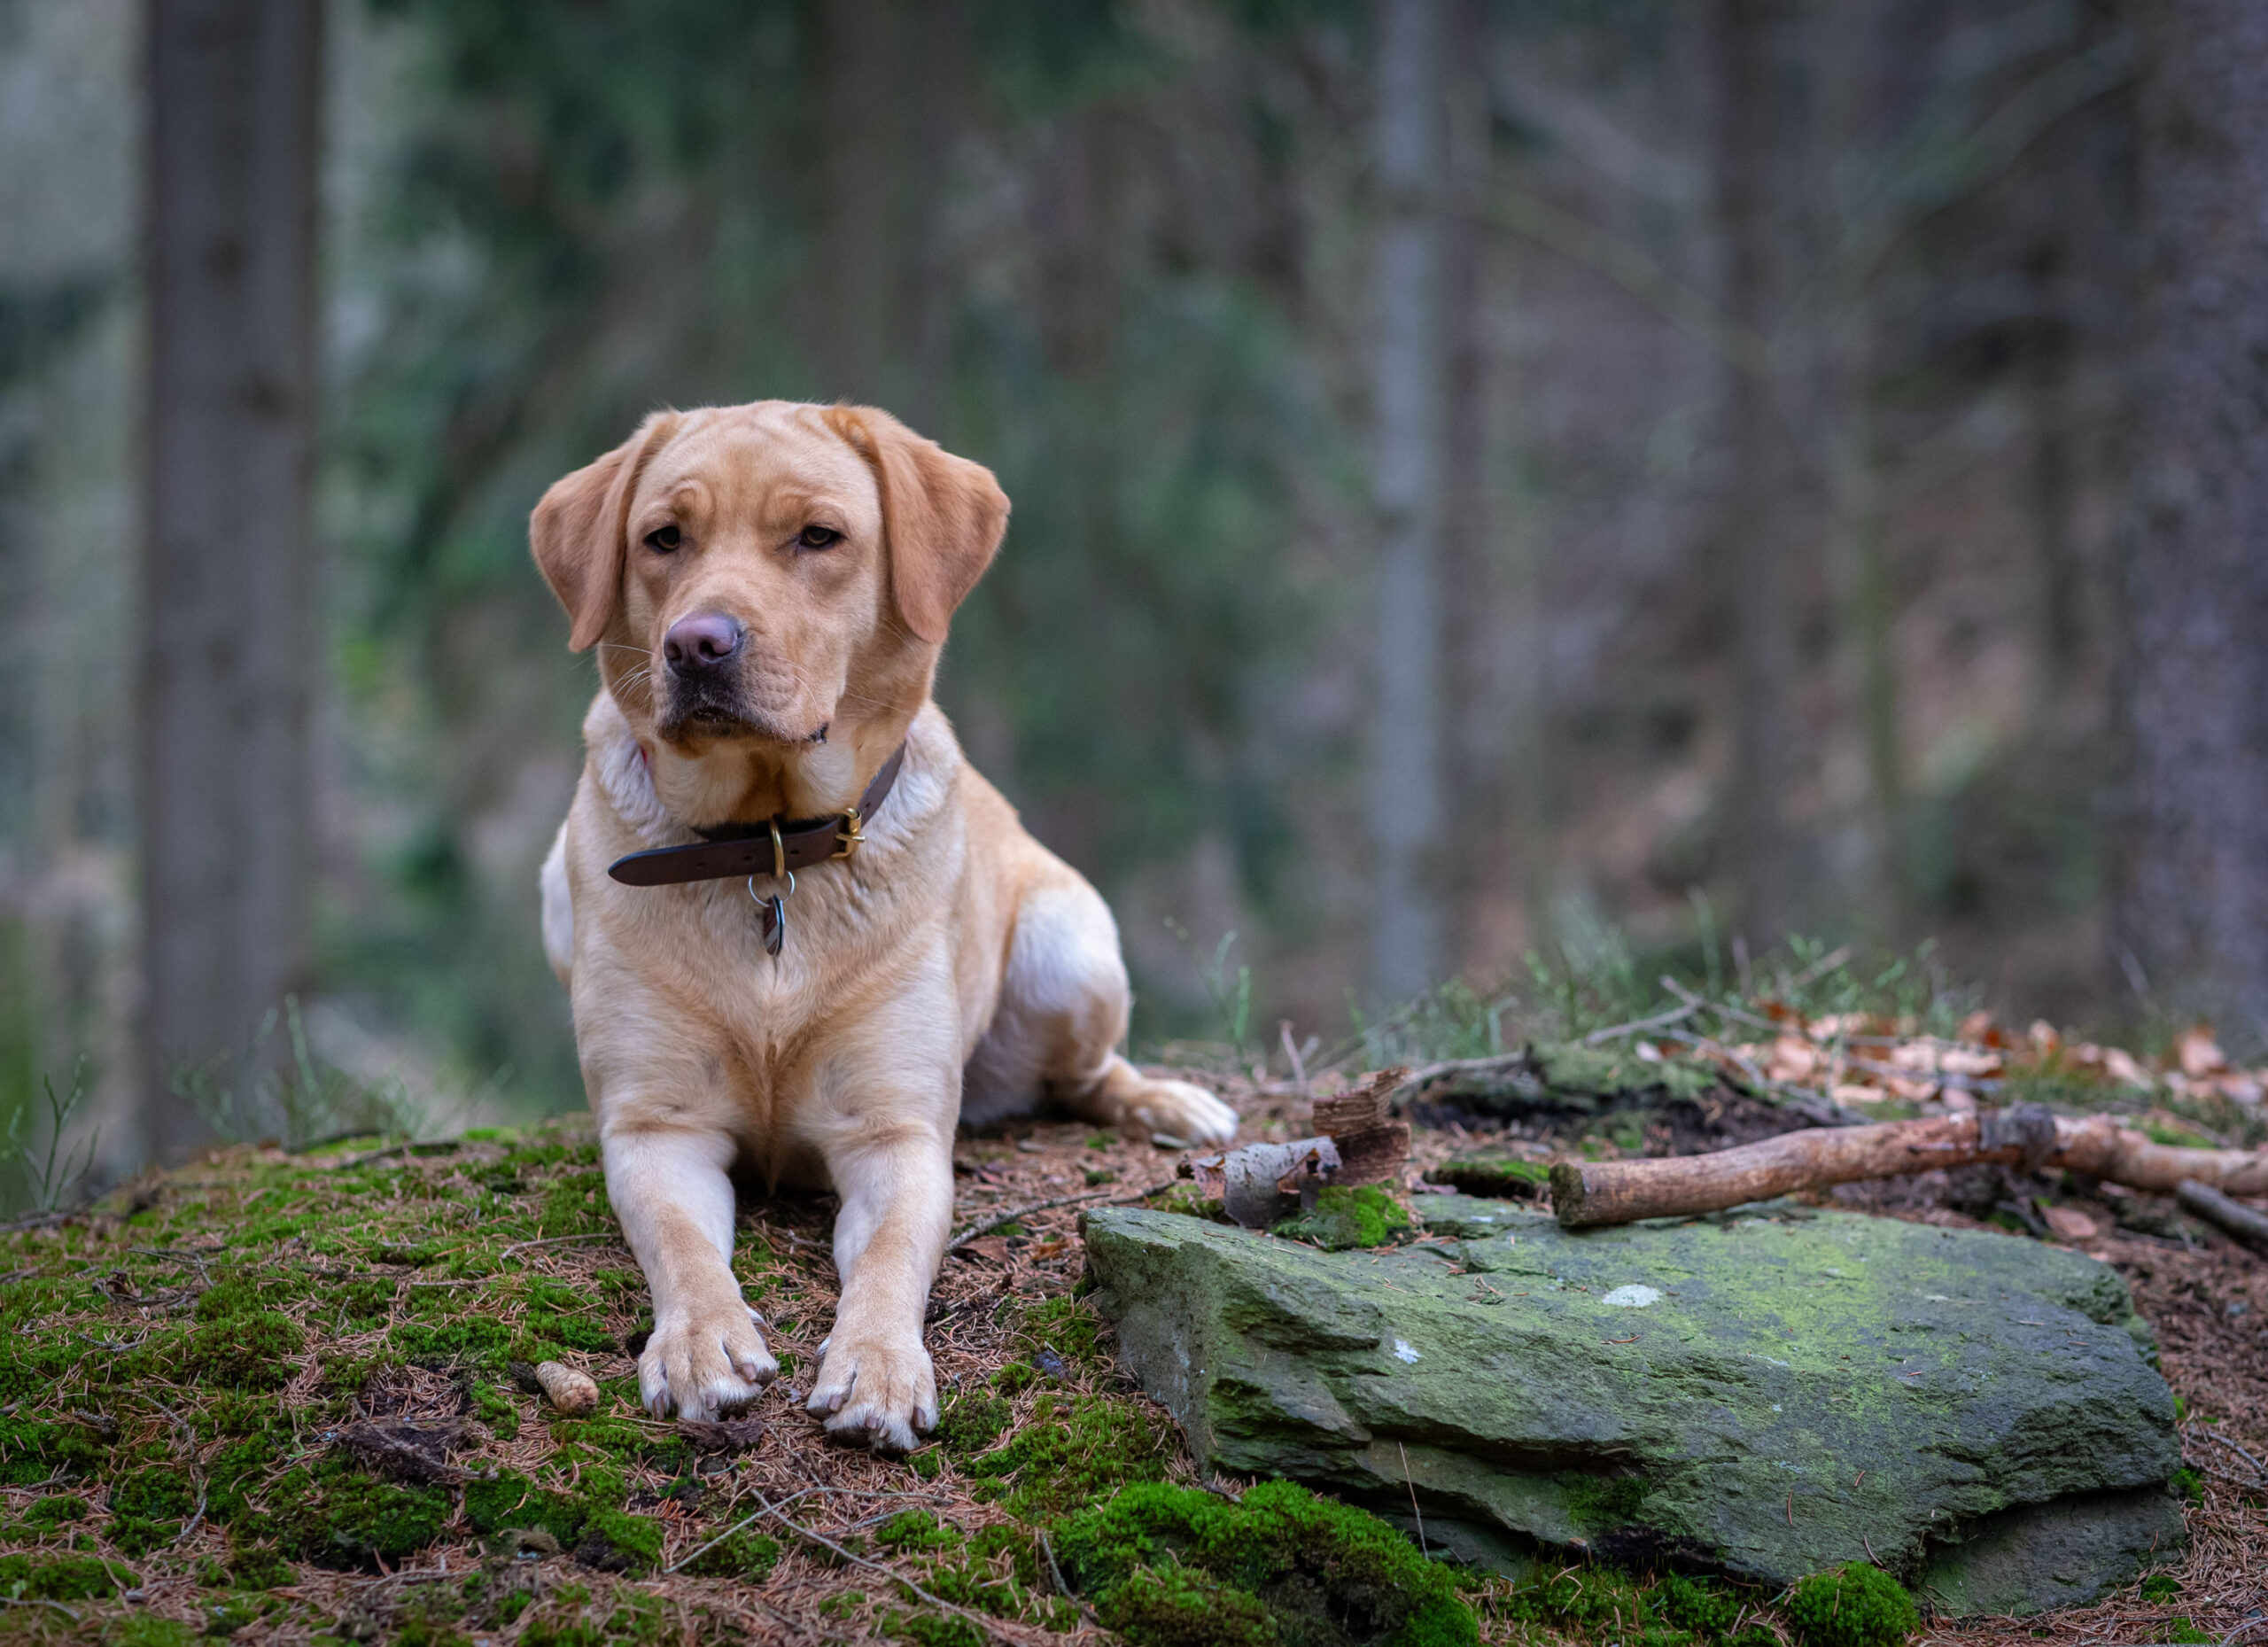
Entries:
{"x":709,"y":714}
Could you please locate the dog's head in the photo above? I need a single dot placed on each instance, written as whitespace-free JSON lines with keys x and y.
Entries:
{"x":763,"y":572}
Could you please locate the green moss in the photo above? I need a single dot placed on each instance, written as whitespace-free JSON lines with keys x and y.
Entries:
{"x":1348,"y":1217}
{"x":513,"y":1501}
{"x":1187,"y":1200}
{"x":972,"y":1421}
{"x":147,"y":1629}
{"x":335,"y":1517}
{"x":64,"y":1578}
{"x":911,"y":1530}
{"x":245,"y":1350}
{"x":741,"y":1555}
{"x":31,"y":1452}
{"x":1600,"y":1503}
{"x":1160,"y":1560}
{"x":56,"y":1509}
{"x":258,"y":1566}
{"x":2161,"y":1587}
{"x":1073,"y":1450}
{"x":1180,"y":1608}
{"x":1852,"y":1605}
{"x":1492,"y":1172}
{"x":619,"y":1542}
{"x":2184,"y":1633}
{"x":235,"y":1296}
{"x":1069,"y":1326}
{"x":495,"y":1410}
{"x":476,"y":1341}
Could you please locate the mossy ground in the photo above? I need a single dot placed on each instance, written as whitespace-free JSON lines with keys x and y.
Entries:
{"x":175,"y":1365}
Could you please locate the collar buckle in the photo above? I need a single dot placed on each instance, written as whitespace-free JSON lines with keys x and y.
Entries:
{"x":849,"y":834}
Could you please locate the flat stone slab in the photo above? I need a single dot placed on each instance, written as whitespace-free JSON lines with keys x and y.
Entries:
{"x":1768,"y":1396}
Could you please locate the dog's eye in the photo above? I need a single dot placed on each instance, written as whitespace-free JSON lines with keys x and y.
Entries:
{"x":818,"y":538}
{"x":661,"y":539}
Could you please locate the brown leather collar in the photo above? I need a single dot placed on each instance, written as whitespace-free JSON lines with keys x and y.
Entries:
{"x":775,"y":847}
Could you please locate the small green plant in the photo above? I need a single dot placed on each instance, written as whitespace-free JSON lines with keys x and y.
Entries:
{"x":2161,"y":1587}
{"x":1856,"y":1604}
{"x":1233,"y":1001}
{"x":2181,"y":1631}
{"x":298,"y":1099}
{"x":50,"y":1176}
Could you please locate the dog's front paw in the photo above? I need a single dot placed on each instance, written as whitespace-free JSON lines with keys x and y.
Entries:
{"x":1181,"y":1111}
{"x":703,"y":1360}
{"x":878,"y":1390}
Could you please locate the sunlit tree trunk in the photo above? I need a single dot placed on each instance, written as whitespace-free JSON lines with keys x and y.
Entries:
{"x":1755,"y":529}
{"x":231,"y":648}
{"x":2190,"y":905}
{"x":1407,"y":806}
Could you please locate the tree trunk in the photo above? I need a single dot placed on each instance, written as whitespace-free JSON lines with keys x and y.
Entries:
{"x":1474,"y":831}
{"x":231,"y":641}
{"x":1755,"y":529}
{"x":2190,"y":905}
{"x":858,"y":41}
{"x":1406,"y":803}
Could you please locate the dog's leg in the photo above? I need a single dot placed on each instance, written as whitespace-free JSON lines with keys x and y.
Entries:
{"x":1062,"y":1011}
{"x":895,"y":1179}
{"x":558,"y":910}
{"x":670,"y":1190}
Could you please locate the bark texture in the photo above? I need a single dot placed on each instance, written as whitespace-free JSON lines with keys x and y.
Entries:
{"x":230,"y":645}
{"x":2190,"y":914}
{"x":1408,"y":810}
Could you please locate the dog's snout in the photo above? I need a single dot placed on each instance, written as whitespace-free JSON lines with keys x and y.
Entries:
{"x":701,"y":643}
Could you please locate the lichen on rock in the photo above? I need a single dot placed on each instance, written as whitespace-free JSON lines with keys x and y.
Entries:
{"x":1800,"y":1393}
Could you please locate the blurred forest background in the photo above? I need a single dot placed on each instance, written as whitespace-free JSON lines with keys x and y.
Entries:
{"x":1592,"y":478}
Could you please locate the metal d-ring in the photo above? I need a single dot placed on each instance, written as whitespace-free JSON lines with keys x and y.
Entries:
{"x":788,"y":874}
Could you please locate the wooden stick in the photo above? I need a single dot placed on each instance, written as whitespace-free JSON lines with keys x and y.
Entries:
{"x":1620,"y":1192}
{"x":2238,"y":1220}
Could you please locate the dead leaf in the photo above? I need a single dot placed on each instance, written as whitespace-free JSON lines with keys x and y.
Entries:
{"x":1977,"y":1028}
{"x":2198,"y":1054}
{"x":994,"y":1248}
{"x":2070,"y":1223}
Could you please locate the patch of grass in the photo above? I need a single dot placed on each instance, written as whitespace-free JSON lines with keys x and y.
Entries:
{"x":1856,"y":1604}
{"x":1168,"y":1566}
{"x":1347,"y":1216}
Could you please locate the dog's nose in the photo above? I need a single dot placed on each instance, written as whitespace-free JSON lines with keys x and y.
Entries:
{"x":702,"y":642}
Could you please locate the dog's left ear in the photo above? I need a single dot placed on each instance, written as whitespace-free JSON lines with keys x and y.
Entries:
{"x":577,"y":531}
{"x":943,"y":516}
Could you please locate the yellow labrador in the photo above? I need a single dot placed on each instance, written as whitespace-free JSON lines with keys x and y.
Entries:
{"x":768,"y":586}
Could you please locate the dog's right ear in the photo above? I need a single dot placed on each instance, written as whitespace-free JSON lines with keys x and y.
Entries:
{"x":576,"y":532}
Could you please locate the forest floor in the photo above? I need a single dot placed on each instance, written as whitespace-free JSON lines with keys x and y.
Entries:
{"x":272,"y":1397}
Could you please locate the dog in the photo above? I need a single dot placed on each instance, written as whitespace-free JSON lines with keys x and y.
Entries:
{"x":768,"y":587}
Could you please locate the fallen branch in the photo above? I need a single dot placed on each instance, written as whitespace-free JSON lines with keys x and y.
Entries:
{"x":2210,"y":1204}
{"x":1007,"y":1218}
{"x":1620,"y":1192}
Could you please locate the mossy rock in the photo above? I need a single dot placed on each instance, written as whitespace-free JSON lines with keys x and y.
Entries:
{"x":1709,"y":1391}
{"x":1172,"y":1564}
